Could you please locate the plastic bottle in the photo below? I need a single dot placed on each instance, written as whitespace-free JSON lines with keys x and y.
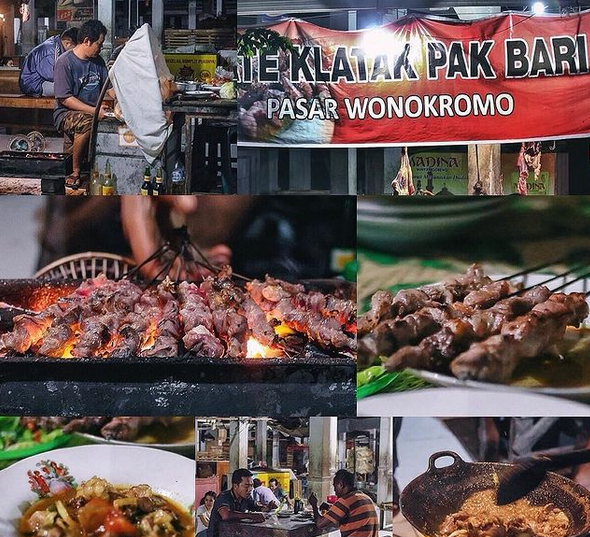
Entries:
{"x":178,"y":179}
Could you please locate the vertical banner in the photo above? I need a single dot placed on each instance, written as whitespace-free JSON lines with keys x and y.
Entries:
{"x":507,"y":78}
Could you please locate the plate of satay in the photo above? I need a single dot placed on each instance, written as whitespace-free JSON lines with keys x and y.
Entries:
{"x":528,"y":332}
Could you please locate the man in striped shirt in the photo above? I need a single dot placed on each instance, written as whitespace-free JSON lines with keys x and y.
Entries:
{"x":354,"y":513}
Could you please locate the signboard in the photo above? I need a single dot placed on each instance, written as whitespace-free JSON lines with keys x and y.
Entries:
{"x":440,"y":172}
{"x":420,"y":81}
{"x":74,"y":10}
{"x":197,"y":67}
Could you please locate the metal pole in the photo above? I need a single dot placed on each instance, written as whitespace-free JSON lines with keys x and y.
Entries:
{"x":158,"y":19}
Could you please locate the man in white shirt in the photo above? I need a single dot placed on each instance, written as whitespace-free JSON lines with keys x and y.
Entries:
{"x":264,"y":497}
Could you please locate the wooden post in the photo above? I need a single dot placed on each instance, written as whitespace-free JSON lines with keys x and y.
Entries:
{"x":485,"y":167}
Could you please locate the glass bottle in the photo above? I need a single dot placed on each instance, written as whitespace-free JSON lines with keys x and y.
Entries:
{"x":95,"y":182}
{"x":146,"y":186}
{"x":159,"y":186}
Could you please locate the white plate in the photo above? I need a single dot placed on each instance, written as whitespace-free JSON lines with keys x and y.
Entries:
{"x":198,"y":93}
{"x":479,"y":392}
{"x":184,"y":448}
{"x":168,"y":474}
{"x":465,"y":402}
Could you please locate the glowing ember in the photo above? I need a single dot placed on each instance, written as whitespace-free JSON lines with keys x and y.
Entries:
{"x":150,"y":337}
{"x":258,"y":350}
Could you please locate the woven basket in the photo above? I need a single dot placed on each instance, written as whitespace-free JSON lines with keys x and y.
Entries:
{"x":86,"y":265}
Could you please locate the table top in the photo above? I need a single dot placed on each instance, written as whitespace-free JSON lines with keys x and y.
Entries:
{"x":272,"y":527}
{"x":186,"y":104}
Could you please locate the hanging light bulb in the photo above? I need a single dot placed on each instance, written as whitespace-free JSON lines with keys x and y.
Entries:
{"x":539,"y":8}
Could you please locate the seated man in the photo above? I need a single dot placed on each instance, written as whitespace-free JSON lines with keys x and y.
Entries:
{"x":354,"y":513}
{"x":79,"y":76}
{"x":264,"y":497}
{"x":36,"y":77}
{"x":279,"y":493}
{"x":235,"y":503}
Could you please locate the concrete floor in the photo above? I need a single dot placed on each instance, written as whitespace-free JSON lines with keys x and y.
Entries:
{"x":19,"y":246}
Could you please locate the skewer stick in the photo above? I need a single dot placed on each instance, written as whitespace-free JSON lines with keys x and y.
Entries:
{"x":562,"y":275}
{"x":528,"y":271}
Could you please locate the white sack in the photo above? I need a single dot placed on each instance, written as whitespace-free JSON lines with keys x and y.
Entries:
{"x":135,"y":76}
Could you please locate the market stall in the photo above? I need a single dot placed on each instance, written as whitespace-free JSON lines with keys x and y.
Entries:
{"x":194,"y":48}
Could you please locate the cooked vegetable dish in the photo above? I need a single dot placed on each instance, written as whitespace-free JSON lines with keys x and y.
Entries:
{"x":99,"y":509}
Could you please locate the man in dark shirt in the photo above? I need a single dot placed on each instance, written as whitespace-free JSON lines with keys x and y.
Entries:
{"x":36,"y":77}
{"x":232,"y":504}
{"x":79,"y":76}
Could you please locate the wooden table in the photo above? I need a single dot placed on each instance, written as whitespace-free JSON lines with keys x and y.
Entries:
{"x":225,"y":110}
{"x":273,"y":527}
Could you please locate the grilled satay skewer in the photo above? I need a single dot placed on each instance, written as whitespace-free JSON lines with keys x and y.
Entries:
{"x":437,"y":350}
{"x":392,"y":334}
{"x":528,"y":336}
{"x":284,"y":302}
{"x":386,"y":305}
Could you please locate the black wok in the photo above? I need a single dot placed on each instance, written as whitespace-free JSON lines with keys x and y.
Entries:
{"x":439,"y":492}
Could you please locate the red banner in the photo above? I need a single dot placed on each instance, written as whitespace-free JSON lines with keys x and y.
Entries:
{"x":421,"y":81}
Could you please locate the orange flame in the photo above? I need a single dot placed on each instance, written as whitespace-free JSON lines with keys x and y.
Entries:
{"x":255,"y":349}
{"x":150,"y":337}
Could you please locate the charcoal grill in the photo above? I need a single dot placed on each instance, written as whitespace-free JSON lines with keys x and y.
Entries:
{"x":51,"y":168}
{"x":313,"y":384}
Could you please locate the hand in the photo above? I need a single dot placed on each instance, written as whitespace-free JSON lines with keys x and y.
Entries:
{"x":140,"y":224}
{"x":313,"y":500}
{"x":101,"y":112}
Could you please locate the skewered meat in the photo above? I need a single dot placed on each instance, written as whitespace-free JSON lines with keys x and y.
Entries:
{"x":197,"y":320}
{"x":463,"y":327}
{"x":128,"y":428}
{"x":85,"y":425}
{"x":229,"y":323}
{"x":496,"y":358}
{"x":392,"y":334}
{"x":385,"y":305}
{"x":283,"y":302}
{"x":217,"y":318}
